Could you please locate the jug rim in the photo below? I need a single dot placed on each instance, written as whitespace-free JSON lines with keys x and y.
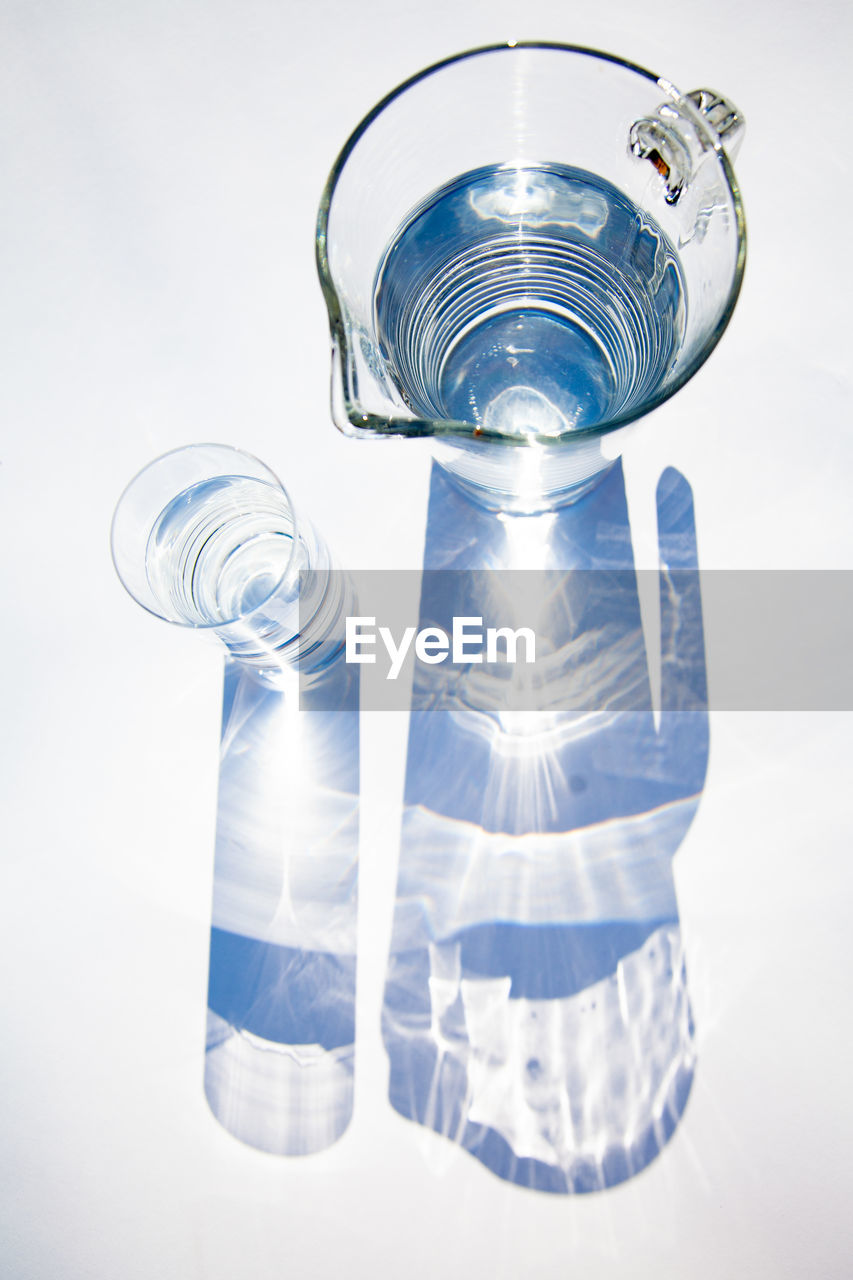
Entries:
{"x":360,"y":422}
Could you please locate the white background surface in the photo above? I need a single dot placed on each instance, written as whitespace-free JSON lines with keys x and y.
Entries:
{"x":161,"y":166}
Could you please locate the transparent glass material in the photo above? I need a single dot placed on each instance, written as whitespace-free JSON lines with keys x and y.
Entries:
{"x":522,"y":249}
{"x":207,"y":537}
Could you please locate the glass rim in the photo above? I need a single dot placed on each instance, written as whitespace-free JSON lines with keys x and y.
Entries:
{"x":362,"y":423}
{"x":155,"y":462}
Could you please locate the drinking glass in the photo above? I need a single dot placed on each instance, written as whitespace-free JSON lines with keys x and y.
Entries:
{"x":207,"y":537}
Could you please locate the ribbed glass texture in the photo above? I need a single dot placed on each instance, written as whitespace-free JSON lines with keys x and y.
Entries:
{"x":206,"y":537}
{"x":504,"y":267}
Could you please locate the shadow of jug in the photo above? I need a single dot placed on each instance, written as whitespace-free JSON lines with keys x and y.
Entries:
{"x":536,"y":1010}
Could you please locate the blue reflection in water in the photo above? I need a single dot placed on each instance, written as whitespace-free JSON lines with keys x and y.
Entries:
{"x":281,"y":998}
{"x":536,"y":1008}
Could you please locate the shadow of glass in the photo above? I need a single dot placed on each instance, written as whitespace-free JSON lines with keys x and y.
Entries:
{"x":536,"y":1009}
{"x":281,"y":1000}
